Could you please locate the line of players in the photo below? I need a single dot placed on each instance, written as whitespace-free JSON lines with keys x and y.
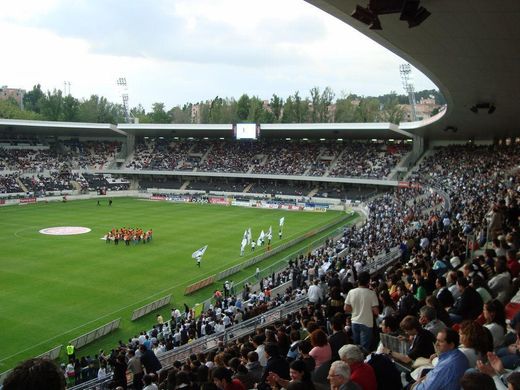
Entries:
{"x":129,"y":235}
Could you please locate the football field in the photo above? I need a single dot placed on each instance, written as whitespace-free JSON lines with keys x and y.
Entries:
{"x":56,"y":287}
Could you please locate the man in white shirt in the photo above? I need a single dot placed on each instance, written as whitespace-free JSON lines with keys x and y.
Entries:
{"x":362,"y":302}
{"x":315,"y":293}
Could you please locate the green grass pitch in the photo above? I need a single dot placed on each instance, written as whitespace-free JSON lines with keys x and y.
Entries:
{"x":55,"y":288}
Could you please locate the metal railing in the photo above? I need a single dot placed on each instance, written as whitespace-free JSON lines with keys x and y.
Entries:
{"x":211,"y":342}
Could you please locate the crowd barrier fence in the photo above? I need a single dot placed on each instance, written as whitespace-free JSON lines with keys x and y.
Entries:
{"x":95,"y":334}
{"x":142,"y":311}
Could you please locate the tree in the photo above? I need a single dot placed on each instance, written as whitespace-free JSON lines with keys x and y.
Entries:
{"x":391,"y":111}
{"x":9,"y":109}
{"x":181,"y":115}
{"x":301,"y":108}
{"x":70,"y":109}
{"x":289,"y":112}
{"x":51,"y":105}
{"x":31,"y":99}
{"x":243,"y":107}
{"x":158,"y":114}
{"x":345,"y":109}
{"x":276,"y":105}
{"x":315,"y":98}
{"x":99,"y":110}
{"x":216,"y":110}
{"x":139,"y":113}
{"x":256,"y":110}
{"x":326,"y":99}
{"x":204,"y":112}
{"x":367,"y":110}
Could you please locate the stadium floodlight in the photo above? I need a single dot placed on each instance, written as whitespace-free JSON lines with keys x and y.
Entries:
{"x":490,"y":107}
{"x":421,"y":15}
{"x":410,"y":11}
{"x":405,"y":70}
{"x":366,"y":16}
{"x":121,"y":83}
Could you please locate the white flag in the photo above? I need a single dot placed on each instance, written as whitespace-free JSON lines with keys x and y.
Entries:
{"x":243,"y":244}
{"x":245,"y":234}
{"x":199,"y":253}
{"x":270,"y":232}
{"x":249,"y":236}
{"x":282,"y":221}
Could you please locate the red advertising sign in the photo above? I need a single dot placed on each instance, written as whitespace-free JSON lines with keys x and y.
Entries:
{"x":219,"y":200}
{"x":27,"y":200}
{"x":157,"y":197}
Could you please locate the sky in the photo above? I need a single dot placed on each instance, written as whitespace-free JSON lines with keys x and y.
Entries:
{"x":179,"y":51}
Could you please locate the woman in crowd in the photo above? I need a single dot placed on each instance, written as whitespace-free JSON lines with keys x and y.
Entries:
{"x":495,"y":317}
{"x":475,"y":341}
{"x":298,"y":372}
{"x":389,"y":306}
{"x":321,"y":351}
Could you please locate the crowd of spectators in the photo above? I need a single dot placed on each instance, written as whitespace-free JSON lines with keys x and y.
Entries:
{"x":329,"y":152}
{"x":55,"y":181}
{"x":33,"y":160}
{"x":279,"y":187}
{"x":9,"y":184}
{"x":71,"y":154}
{"x":289,"y":158}
{"x":230,"y":156}
{"x":97,"y":181}
{"x":274,"y":156}
{"x":218,"y":184}
{"x":368,"y":160}
{"x":443,"y":290}
{"x":91,"y":155}
{"x":161,"y":154}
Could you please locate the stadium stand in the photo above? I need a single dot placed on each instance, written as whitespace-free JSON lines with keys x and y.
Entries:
{"x":433,"y":242}
{"x":269,"y":156}
{"x":8,"y":184}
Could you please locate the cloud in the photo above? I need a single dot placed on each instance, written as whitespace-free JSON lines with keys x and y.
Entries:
{"x":177,"y":51}
{"x":174,"y":31}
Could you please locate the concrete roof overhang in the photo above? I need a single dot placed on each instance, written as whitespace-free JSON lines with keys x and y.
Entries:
{"x":469,"y":49}
{"x":67,"y":129}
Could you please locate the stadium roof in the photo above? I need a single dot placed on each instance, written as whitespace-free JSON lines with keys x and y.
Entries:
{"x":468,"y":48}
{"x":50,"y":128}
{"x":295,"y":130}
{"x":279,"y":130}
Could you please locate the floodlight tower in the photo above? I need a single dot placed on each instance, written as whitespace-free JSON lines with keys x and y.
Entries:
{"x":65,"y":85}
{"x":121,"y":83}
{"x":405,"y":70}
